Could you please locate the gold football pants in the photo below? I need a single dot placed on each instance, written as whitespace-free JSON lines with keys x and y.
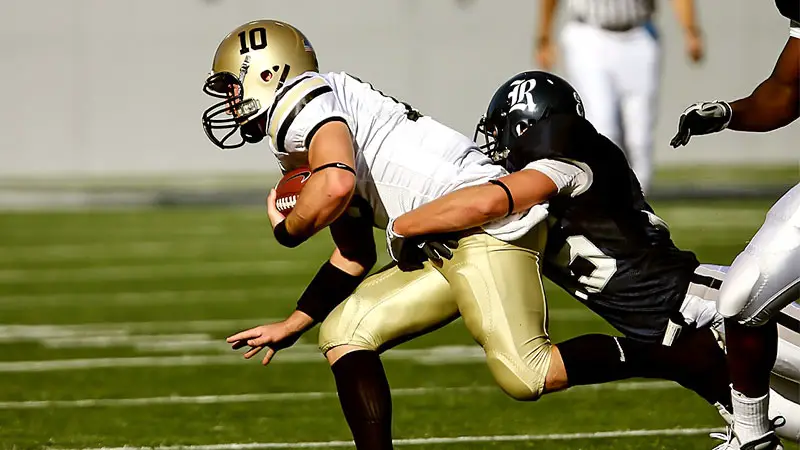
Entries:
{"x":495,"y":286}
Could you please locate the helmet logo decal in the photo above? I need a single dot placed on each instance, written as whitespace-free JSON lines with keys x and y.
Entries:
{"x":520,"y":96}
{"x":307,"y":45}
{"x":244,"y":68}
{"x":579,"y":104}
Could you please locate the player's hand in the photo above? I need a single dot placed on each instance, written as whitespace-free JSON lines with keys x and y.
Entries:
{"x":702,"y":118}
{"x":275,"y":216}
{"x":545,"y":53}
{"x":411,"y":253}
{"x":694,"y":46}
{"x":274,"y":336}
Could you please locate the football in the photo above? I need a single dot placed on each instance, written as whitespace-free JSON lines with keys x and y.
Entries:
{"x":288,"y":189}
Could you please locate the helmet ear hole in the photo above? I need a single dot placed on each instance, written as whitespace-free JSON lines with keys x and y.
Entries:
{"x":520,"y":128}
{"x":266,"y":76}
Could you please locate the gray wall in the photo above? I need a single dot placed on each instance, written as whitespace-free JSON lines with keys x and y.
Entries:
{"x":113,"y":86}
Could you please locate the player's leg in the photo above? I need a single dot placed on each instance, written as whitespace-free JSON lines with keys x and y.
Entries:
{"x":586,"y":61}
{"x":637,"y":77}
{"x":762,"y":280}
{"x":388,"y":308}
{"x":498,"y":288}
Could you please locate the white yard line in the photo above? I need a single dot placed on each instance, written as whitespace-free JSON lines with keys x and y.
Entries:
{"x":9,"y":330}
{"x":149,"y":297}
{"x":297,"y":396}
{"x":88,"y":329}
{"x":669,"y":432}
{"x":109,"y":332}
{"x":298,"y":354}
{"x":160,"y":271}
{"x":130,"y":250}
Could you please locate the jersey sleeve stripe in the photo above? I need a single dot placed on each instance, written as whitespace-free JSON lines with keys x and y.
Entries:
{"x":291,"y":114}
{"x":794,"y":29}
{"x":316,"y":128}
{"x":286,"y":102}
{"x":282,"y":94}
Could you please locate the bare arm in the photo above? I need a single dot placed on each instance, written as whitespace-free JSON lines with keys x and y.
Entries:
{"x":687,"y":18}
{"x":547,"y":13}
{"x":355,"y":245}
{"x":545,"y":50}
{"x":476,"y":205}
{"x":776,"y":101}
{"x":685,"y":14}
{"x":328,"y":192}
{"x":354,"y":254}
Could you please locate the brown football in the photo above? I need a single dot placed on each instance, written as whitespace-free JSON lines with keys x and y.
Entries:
{"x":288,"y":189}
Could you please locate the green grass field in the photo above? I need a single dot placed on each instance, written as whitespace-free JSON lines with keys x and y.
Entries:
{"x":112,"y":327}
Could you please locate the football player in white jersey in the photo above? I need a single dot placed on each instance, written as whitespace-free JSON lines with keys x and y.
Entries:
{"x":765,"y":278}
{"x":361,"y":144}
{"x":373,"y":158}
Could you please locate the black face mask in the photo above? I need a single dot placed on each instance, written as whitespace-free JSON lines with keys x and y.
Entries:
{"x":221,"y":120}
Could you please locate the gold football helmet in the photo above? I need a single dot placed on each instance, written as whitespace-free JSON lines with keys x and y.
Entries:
{"x":250,"y":65}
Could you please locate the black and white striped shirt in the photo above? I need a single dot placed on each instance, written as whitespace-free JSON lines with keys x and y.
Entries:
{"x":611,"y":13}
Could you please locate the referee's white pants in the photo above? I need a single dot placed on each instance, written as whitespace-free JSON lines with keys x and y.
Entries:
{"x":617,"y":76}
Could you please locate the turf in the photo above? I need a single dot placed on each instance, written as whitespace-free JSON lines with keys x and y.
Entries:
{"x":151,"y":294}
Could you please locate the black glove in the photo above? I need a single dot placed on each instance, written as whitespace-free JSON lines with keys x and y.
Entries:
{"x":702,"y":118}
{"x":411,"y":253}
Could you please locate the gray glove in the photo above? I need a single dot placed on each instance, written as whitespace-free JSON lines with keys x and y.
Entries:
{"x":702,"y":118}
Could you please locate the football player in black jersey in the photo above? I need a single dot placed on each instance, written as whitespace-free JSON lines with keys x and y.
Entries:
{"x":765,"y":278}
{"x":605,"y":246}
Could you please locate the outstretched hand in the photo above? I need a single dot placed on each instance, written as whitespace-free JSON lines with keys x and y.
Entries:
{"x":273,"y":337}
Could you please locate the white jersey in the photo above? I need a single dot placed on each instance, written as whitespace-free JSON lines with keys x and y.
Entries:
{"x":612,"y":13}
{"x":402,"y":159}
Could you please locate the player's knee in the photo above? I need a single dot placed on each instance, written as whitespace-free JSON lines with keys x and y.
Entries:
{"x":521,"y":378}
{"x":345,"y":325}
{"x":735,"y":297}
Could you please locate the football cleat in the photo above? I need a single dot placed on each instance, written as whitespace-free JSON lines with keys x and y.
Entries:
{"x":768,"y":441}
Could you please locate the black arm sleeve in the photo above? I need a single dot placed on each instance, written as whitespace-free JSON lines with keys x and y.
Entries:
{"x":329,"y":287}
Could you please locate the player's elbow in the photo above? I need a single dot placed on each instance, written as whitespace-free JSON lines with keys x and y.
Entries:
{"x":339,"y":185}
{"x":489,"y":207}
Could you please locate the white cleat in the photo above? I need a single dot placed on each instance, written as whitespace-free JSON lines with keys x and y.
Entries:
{"x":768,"y":441}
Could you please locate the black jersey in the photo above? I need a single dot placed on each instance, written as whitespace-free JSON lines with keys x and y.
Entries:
{"x":605,"y":246}
{"x":789,"y":9}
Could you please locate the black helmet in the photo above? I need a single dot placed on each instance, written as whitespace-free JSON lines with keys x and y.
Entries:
{"x":519,"y":104}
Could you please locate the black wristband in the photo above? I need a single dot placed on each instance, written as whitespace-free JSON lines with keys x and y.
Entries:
{"x":508,"y":194}
{"x":285,"y":239}
{"x":329,"y":287}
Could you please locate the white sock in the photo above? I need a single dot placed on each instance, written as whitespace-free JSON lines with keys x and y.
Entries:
{"x":750,"y":416}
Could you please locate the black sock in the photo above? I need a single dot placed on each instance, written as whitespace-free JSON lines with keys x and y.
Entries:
{"x":365,"y":398}
{"x":694,"y":360}
{"x":751,"y":355}
{"x":594,"y":359}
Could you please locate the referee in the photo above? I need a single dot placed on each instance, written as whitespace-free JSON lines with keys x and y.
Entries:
{"x":612,"y":57}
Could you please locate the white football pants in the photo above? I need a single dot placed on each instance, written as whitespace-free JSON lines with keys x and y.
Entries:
{"x":765,"y":277}
{"x":617,"y":76}
{"x":784,"y":394}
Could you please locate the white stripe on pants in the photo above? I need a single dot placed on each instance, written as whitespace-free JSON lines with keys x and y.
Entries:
{"x":617,"y":76}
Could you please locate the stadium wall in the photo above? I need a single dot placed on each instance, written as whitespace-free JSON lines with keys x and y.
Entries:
{"x":107,"y":87}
